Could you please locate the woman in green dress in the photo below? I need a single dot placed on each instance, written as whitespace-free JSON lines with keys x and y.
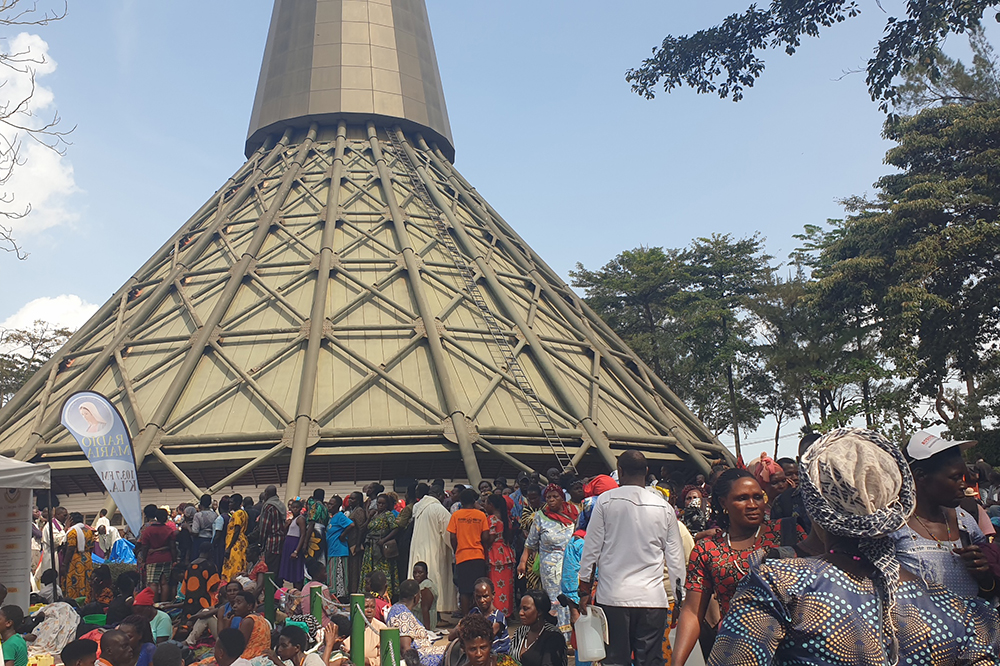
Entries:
{"x":381,"y":529}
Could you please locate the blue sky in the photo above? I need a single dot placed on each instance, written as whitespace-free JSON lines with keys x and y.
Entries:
{"x":545,"y":127}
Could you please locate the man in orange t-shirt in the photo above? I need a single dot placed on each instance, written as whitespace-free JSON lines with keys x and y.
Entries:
{"x":470,"y":538}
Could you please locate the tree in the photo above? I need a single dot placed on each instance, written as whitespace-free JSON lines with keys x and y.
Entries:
{"x":950,"y":81}
{"x":792,"y":346}
{"x":25,"y":351}
{"x":726,"y":59}
{"x":17,"y":119}
{"x":636,"y":293}
{"x":686,"y":313}
{"x":723,"y":277}
{"x":922,"y":260}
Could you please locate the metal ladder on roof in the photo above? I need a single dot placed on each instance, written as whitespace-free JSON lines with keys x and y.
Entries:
{"x":530,"y":406}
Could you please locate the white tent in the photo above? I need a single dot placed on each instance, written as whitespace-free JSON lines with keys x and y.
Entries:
{"x":17,"y":480}
{"x":17,"y":474}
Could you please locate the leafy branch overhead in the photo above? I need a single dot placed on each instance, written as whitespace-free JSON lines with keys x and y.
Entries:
{"x":18,"y":117}
{"x":727,"y":59}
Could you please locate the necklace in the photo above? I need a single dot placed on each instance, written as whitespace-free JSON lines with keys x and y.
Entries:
{"x":527,"y":643}
{"x":736,"y":561}
{"x":947,"y":525}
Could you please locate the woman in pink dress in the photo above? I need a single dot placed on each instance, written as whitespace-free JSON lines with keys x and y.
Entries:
{"x":501,"y":556}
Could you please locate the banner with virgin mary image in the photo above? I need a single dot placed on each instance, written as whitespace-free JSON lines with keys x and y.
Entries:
{"x":104,"y":438}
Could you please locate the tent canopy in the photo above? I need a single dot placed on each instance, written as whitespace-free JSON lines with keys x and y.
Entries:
{"x":17,"y":474}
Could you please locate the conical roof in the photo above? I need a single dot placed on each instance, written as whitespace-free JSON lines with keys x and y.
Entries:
{"x":347,"y":305}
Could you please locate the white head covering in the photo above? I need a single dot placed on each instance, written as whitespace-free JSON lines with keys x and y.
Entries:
{"x":856,"y":483}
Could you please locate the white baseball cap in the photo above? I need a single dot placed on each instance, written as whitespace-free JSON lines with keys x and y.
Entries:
{"x":923,"y":445}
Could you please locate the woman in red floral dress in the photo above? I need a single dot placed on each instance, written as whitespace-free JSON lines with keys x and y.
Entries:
{"x":717,"y":564}
{"x":501,"y":556}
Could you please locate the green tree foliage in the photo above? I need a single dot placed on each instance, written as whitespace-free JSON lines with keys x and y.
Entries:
{"x":727,"y":59}
{"x":921,"y":262}
{"x":24,"y":352}
{"x":949,"y":81}
{"x":687,"y":314}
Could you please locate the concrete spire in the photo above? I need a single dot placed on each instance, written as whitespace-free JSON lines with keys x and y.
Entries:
{"x":353,"y":60}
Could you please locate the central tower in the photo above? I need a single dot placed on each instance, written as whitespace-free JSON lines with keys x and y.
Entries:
{"x":346,"y":307}
{"x":353,"y":60}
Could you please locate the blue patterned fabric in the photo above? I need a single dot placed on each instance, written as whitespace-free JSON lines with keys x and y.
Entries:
{"x":548,"y":538}
{"x":934,"y":562}
{"x":807,"y":612}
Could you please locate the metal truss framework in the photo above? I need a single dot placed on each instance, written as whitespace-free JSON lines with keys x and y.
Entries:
{"x":348,"y":293}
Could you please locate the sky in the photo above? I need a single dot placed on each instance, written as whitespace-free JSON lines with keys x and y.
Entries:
{"x":158,"y":96}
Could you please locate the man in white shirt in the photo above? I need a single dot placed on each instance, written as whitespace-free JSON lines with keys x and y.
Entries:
{"x":631,"y":537}
{"x":201,"y":526}
{"x":102,"y":519}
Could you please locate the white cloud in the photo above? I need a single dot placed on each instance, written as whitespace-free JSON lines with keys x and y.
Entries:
{"x":65,"y":310}
{"x":43,"y":179}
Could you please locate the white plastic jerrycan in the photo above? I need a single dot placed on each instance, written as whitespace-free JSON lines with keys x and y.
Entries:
{"x":591,"y":634}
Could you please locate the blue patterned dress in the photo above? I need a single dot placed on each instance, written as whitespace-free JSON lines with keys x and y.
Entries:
{"x":548,"y":538}
{"x":400,"y":617}
{"x":808,"y":612}
{"x":934,"y":561}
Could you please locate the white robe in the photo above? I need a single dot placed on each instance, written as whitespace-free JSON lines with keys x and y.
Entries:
{"x":59,"y":537}
{"x":432,"y":544}
{"x":107,"y":540}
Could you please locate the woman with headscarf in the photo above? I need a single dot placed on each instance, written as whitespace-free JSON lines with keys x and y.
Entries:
{"x":550,"y":531}
{"x":95,"y":423}
{"x":941,"y":542}
{"x":78,"y":565}
{"x":771,"y":478}
{"x":317,"y":516}
{"x":853,"y":605}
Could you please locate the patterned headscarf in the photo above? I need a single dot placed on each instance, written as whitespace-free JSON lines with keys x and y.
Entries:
{"x":764,"y":468}
{"x":568,"y":514}
{"x":856,"y":483}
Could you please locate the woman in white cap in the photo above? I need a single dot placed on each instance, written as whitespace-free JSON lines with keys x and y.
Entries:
{"x":940,"y":541}
{"x":853,"y":604}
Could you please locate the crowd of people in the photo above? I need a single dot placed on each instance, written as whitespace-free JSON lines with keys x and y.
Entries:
{"x":860,"y":552}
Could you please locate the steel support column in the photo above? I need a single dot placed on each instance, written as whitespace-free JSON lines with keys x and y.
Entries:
{"x":176,"y":471}
{"x":153,"y":301}
{"x":455,"y":412}
{"x":237,"y":275}
{"x":545,"y":366}
{"x":317,"y":320}
{"x":669,"y":425}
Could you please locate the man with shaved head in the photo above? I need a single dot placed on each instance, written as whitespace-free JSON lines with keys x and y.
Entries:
{"x":631,"y":536}
{"x":116,"y":650}
{"x":272,"y":528}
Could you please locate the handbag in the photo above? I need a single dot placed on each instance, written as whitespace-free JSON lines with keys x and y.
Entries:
{"x":390,"y":549}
